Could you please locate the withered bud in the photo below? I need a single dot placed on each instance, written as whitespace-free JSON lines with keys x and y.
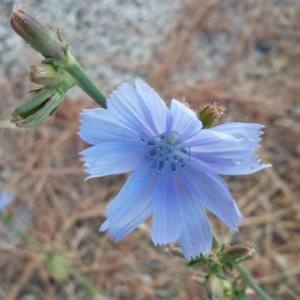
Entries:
{"x":239,"y":253}
{"x":211,"y":114}
{"x":45,"y":74}
{"x":37,"y":108}
{"x":40,"y":37}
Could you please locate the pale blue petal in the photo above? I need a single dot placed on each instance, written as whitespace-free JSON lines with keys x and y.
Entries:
{"x":217,"y":165}
{"x":136,"y":111}
{"x":155,"y":108}
{"x":132,"y":206}
{"x":250,"y":132}
{"x":252,"y":165}
{"x":222,"y":153}
{"x":212,"y":193}
{"x":124,"y":103}
{"x":99,"y":124}
{"x":195,"y":237}
{"x":113,"y":157}
{"x":166,"y":216}
{"x":183,"y":121}
{"x":208,"y":139}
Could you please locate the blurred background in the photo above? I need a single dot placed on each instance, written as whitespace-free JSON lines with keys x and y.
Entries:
{"x":242,"y":54}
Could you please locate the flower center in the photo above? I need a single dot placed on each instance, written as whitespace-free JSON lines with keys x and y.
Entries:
{"x":166,"y":153}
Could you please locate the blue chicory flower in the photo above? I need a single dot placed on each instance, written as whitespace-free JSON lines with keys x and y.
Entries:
{"x":174,"y":162}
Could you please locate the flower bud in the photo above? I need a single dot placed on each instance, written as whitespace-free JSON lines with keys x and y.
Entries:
{"x":45,"y":74}
{"x":34,"y":111}
{"x":211,"y":114}
{"x":36,"y":34}
{"x":239,"y":253}
{"x":220,"y":288}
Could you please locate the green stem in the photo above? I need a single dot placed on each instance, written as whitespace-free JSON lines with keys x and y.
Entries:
{"x":71,"y":66}
{"x":247,"y":277}
{"x":249,"y":280}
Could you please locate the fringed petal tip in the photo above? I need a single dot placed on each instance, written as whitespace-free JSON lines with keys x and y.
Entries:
{"x":191,"y":254}
{"x":189,"y":258}
{"x":161,"y":244}
{"x":266,"y":166}
{"x":139,"y":82}
{"x":104,"y":226}
{"x":86,"y":166}
{"x":258,"y":166}
{"x":236,"y":227}
{"x":88,"y":178}
{"x":115,"y":237}
{"x":81,"y":133}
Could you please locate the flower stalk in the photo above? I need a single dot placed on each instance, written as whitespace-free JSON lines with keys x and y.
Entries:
{"x":71,"y":65}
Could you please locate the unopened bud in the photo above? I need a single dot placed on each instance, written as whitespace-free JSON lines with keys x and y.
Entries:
{"x":40,"y":37}
{"x":211,"y":114}
{"x":237,"y":254}
{"x":220,"y":288}
{"x":45,"y":74}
